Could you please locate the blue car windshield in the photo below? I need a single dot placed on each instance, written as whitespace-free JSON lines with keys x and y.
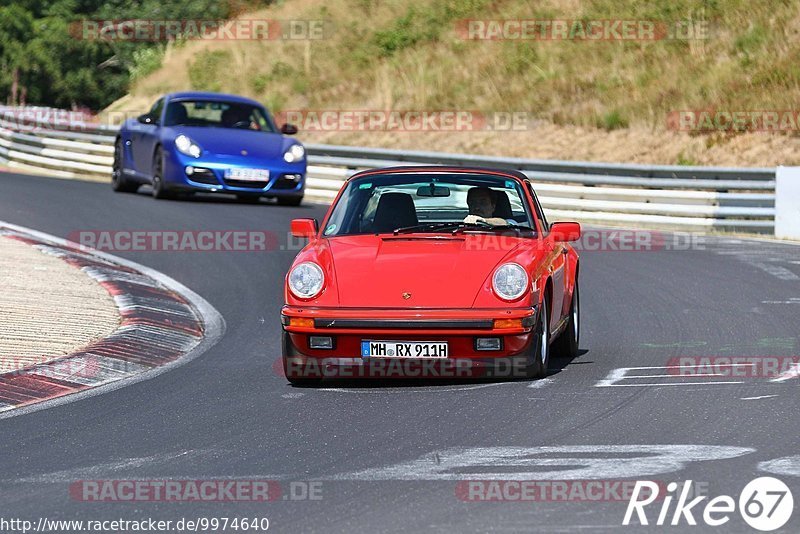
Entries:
{"x":218,"y":114}
{"x":423,"y":202}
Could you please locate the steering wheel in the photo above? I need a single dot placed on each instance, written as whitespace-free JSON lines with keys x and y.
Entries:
{"x":241,"y":124}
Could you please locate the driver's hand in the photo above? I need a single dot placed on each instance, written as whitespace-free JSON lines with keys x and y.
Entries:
{"x":473,"y":219}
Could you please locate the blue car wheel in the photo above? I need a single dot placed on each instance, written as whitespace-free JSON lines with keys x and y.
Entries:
{"x":118,"y":181}
{"x":159,"y":187}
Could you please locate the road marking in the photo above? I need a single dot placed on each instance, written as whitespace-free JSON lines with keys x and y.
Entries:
{"x":618,"y":375}
{"x":777,"y":271}
{"x":759,"y":397}
{"x":543,"y":382}
{"x":793,"y":372}
{"x":570,"y":462}
{"x":789,"y":465}
{"x":292,"y":395}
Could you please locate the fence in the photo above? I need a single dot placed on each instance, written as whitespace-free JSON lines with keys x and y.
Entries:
{"x":682,"y":197}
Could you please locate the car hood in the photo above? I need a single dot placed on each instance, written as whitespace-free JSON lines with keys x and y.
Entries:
{"x":231,"y":142}
{"x":444,"y":272}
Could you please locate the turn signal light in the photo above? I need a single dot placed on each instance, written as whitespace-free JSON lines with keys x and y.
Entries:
{"x":508,"y":323}
{"x":302,"y":322}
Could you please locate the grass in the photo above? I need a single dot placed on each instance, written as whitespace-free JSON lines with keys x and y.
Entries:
{"x":409,"y":55}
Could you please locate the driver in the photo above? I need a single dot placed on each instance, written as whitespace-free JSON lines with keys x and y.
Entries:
{"x":238,"y":117}
{"x":482,"y":202}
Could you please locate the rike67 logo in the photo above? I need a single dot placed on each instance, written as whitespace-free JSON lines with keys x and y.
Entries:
{"x":766,"y":504}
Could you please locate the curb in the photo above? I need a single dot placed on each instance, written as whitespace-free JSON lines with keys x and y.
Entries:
{"x":164,"y":324}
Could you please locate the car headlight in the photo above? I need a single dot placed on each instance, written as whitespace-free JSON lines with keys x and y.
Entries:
{"x":510,"y":281}
{"x":306,"y":279}
{"x":187,"y":146}
{"x":294,"y":153}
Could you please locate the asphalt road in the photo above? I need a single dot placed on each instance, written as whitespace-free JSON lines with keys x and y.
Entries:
{"x":227,"y":415}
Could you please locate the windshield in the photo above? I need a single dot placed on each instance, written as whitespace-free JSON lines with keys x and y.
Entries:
{"x":435,"y":202}
{"x":217,"y":114}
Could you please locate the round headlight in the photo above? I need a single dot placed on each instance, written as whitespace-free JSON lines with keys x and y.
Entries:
{"x":510,"y":281}
{"x":294,"y":153}
{"x":306,"y":279}
{"x":187,"y":146}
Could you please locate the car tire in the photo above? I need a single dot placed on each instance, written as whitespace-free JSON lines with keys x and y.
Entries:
{"x":160,"y":190}
{"x":566,"y":345}
{"x":541,"y":354}
{"x":119,"y":183}
{"x":288,"y":350}
{"x":289,"y":201}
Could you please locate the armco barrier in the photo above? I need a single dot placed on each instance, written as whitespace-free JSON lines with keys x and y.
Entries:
{"x":682,"y":197}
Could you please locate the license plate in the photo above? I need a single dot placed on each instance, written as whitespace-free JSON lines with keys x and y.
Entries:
{"x":254,"y":175}
{"x":404,"y":349}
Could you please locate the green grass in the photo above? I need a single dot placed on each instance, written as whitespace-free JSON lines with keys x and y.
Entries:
{"x":401,"y":54}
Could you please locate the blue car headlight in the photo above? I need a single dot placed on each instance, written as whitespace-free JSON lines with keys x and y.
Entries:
{"x":294,"y":153}
{"x":187,"y":146}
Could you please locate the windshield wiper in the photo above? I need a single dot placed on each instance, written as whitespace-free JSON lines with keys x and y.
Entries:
{"x":484,"y":226}
{"x":460,"y":226}
{"x":425,"y":227}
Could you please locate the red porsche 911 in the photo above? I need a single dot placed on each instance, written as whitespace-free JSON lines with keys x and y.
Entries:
{"x":431,"y":272}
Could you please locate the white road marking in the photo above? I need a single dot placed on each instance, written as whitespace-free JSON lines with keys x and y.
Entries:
{"x":672,"y":376}
{"x":571,"y":462}
{"x":777,"y":271}
{"x":106,"y":469}
{"x":292,"y":395}
{"x":669,"y":384}
{"x":793,"y":372}
{"x":618,"y":375}
{"x":789,"y":465}
{"x":543,"y":382}
{"x":759,"y":397}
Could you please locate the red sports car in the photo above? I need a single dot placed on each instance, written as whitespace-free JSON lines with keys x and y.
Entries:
{"x":431,"y":271}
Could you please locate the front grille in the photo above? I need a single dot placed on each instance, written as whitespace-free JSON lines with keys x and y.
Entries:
{"x":246,"y":183}
{"x":203,"y":176}
{"x":404,"y":324}
{"x":287,"y":181}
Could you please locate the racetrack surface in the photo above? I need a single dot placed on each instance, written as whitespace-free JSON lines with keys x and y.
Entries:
{"x":228,"y":415}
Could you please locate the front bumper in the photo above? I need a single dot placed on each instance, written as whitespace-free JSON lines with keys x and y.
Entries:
{"x":285,"y":179}
{"x":459,"y":328}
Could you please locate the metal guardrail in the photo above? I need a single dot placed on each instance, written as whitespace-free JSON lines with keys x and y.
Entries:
{"x":683,"y":197}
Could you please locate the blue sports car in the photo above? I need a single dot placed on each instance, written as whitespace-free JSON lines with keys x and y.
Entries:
{"x":210,"y":142}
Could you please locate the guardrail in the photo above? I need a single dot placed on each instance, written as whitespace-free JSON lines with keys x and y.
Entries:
{"x":683,"y":197}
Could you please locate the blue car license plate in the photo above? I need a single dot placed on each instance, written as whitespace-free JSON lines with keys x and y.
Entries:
{"x":253,"y":175}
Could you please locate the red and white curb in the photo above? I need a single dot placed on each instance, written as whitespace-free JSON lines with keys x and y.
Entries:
{"x":164,"y":324}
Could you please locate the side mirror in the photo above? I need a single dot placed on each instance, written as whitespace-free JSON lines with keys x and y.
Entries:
{"x":145,"y":119}
{"x":289,"y":129}
{"x":304,"y":228}
{"x":565,"y":231}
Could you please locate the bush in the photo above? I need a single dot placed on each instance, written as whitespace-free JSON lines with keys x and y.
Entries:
{"x":203,"y":72}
